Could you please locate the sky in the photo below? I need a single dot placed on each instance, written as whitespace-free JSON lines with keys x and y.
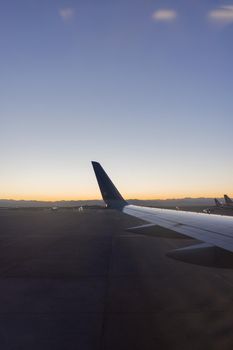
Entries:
{"x":142,"y":86}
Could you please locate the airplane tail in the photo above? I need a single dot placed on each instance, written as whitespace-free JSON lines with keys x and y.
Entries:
{"x":228,"y":200}
{"x":217,"y":203}
{"x":110,"y":194}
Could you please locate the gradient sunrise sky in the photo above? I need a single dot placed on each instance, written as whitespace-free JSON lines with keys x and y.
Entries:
{"x":142,"y":86}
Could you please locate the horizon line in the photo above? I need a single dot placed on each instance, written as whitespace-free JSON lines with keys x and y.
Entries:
{"x":100,"y":199}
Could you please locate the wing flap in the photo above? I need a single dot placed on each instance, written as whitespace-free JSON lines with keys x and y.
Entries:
{"x":203,"y":254}
{"x":155,"y":231}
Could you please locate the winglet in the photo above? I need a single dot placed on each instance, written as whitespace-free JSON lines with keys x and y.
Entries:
{"x":110,"y":194}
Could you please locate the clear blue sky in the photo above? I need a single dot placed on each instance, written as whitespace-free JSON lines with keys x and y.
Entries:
{"x":145,"y":87}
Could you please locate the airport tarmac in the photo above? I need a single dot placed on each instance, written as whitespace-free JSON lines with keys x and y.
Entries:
{"x":78,"y":280}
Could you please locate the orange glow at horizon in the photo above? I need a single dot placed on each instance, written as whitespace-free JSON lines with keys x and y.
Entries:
{"x":73,"y":185}
{"x":129,"y":196}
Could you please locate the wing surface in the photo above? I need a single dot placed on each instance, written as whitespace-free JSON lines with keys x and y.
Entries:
{"x":214,"y":229}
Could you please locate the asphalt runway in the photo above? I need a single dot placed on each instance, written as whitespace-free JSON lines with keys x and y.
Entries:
{"x":77,"y":280}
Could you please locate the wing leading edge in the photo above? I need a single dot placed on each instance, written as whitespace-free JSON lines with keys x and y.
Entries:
{"x":214,"y":230}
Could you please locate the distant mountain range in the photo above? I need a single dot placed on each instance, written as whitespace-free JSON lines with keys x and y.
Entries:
{"x":10,"y":203}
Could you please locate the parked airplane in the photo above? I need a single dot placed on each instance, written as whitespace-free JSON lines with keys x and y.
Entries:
{"x":215,"y":231}
{"x":217,"y":203}
{"x":214,"y":209}
{"x":228,"y":201}
{"x":219,"y":206}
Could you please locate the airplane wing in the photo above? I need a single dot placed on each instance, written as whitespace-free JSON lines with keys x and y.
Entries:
{"x":214,"y":231}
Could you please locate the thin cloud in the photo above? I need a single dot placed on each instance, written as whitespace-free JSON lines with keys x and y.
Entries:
{"x":164,"y":15}
{"x":67,"y":13}
{"x":222,"y":15}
